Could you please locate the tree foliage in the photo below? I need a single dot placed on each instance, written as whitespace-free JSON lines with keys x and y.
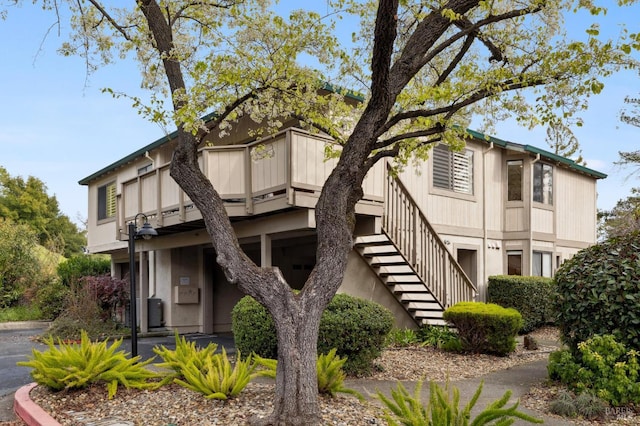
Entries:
{"x":622,"y":219}
{"x":19,"y":266}
{"x":564,"y":142}
{"x":422,"y":69}
{"x":27,"y":202}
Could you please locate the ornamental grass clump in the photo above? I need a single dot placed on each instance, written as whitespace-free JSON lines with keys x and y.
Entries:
{"x":443,"y":408}
{"x":77,"y":365}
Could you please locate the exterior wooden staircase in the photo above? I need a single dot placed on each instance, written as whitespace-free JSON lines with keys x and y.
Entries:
{"x":411,"y":259}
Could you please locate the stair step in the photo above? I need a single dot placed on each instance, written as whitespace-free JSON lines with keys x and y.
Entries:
{"x":378,"y":250}
{"x":433,"y":321}
{"x":408,"y":288}
{"x":426,"y":313}
{"x":426,"y":305}
{"x":377,"y":239}
{"x":387,"y":260}
{"x":417,"y":297}
{"x":395,"y":269}
{"x":403,"y":279}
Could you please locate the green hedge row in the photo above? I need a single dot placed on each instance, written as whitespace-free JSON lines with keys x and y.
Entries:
{"x":531,"y":296}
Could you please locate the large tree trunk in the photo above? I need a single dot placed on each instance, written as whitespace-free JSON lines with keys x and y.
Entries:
{"x":296,"y":400}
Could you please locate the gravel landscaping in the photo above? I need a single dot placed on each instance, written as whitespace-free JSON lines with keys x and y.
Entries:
{"x":178,"y":406}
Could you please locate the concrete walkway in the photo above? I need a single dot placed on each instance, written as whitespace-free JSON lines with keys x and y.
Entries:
{"x":518,"y":379}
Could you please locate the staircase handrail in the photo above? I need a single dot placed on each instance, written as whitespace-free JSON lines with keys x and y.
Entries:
{"x":409,"y":229}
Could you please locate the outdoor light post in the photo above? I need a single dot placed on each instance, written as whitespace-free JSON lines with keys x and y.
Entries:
{"x":145,"y":232}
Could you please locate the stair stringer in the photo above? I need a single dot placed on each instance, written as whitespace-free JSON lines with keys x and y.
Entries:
{"x":400,"y":278}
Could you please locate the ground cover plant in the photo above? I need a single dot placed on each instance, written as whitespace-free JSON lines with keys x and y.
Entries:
{"x":443,"y":408}
{"x":77,"y":365}
{"x":204,"y":371}
{"x":603,"y":367}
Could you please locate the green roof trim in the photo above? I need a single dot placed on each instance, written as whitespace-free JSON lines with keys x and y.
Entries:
{"x":537,"y":151}
{"x":139,"y":153}
{"x":477,"y":135}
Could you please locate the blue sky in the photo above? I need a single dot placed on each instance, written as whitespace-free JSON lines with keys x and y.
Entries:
{"x":59,"y":127}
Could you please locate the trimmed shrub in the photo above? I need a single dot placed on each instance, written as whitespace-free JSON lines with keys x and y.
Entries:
{"x":485,"y":327}
{"x":82,"y":265}
{"x":531,"y":296}
{"x":357,"y":328}
{"x":253,"y":329}
{"x":598,"y":293}
{"x":603,"y":367}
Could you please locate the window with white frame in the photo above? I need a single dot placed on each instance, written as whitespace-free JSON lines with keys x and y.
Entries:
{"x":541,"y":263}
{"x":543,"y":183}
{"x":514,"y":262}
{"x":107,"y":201}
{"x":453,"y":170}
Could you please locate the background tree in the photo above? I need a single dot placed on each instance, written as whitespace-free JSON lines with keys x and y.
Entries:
{"x":424,"y":68}
{"x":623,"y":219}
{"x":27,"y":202}
{"x":625,"y":215}
{"x":563,"y":142}
{"x":19,"y":265}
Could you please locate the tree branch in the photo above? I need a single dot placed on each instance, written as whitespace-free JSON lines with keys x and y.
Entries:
{"x":112,"y":21}
{"x":468,"y":42}
{"x":506,"y":86}
{"x":384,"y":37}
{"x":435,"y":130}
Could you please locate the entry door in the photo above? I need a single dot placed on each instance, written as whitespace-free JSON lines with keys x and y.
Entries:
{"x":468,"y":260}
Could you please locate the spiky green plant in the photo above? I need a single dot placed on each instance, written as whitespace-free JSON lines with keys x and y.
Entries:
{"x":184,"y":353}
{"x":217,"y":379}
{"x":443,"y":408}
{"x":329,"y":370}
{"x":75,"y":366}
{"x":331,"y":375}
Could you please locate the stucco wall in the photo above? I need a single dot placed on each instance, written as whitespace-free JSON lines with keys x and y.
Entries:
{"x":361,"y":281}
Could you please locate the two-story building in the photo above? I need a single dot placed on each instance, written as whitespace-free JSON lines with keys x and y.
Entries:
{"x":425,"y":239}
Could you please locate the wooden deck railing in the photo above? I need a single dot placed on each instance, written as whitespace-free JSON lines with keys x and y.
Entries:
{"x":409,"y":229}
{"x":280,"y":171}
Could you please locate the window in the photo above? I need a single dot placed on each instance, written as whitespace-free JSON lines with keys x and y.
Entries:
{"x":541,"y":264}
{"x":543,"y":183}
{"x":144,"y":169}
{"x":107,"y":201}
{"x":453,"y":170}
{"x":514,"y":262}
{"x":514,"y":180}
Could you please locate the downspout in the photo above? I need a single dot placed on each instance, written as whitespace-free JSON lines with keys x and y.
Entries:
{"x":151,"y":254}
{"x":484,"y":218}
{"x":148,"y":157}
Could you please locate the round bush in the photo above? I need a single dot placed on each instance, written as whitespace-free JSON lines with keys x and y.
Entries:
{"x":253,"y":329}
{"x":485,"y":327}
{"x":598,"y":293}
{"x":355,"y":327}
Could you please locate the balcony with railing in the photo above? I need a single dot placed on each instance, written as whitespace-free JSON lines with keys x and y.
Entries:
{"x":283,"y":171}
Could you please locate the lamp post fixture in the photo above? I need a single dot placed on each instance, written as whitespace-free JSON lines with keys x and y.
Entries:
{"x":146,"y":232}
